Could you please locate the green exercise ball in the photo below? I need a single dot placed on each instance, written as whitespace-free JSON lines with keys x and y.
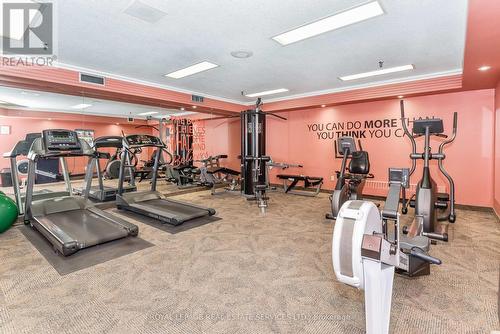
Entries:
{"x":8,"y":213}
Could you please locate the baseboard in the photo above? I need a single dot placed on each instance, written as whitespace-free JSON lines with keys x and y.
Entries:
{"x":495,"y":211}
{"x":496,"y":208}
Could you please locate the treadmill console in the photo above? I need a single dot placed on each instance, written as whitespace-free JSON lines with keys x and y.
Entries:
{"x":60,"y":140}
{"x":143,"y":140}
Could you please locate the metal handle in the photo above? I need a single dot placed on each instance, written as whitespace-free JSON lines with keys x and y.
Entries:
{"x":436,"y":236}
{"x":409,"y":135}
{"x":425,"y":257}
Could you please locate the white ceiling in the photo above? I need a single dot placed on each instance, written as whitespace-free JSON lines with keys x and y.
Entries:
{"x":43,"y":101}
{"x":99,"y":35}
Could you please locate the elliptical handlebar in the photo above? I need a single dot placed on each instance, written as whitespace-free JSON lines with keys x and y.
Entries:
{"x":409,"y":135}
{"x":452,"y":215}
{"x":170,"y":155}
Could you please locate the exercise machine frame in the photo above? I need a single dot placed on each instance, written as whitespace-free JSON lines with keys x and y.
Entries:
{"x":427,"y":200}
{"x":349,"y":186}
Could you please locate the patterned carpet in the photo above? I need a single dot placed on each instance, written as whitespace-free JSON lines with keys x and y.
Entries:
{"x":247,"y":273}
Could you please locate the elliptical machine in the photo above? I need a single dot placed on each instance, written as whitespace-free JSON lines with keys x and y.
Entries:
{"x":349,"y":185}
{"x":428,"y":203}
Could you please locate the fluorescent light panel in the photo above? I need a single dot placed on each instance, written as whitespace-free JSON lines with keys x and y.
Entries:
{"x":147,"y":113}
{"x":339,"y":20}
{"x":267,"y":92}
{"x":184,"y":113}
{"x":81,"y":106}
{"x":197,"y":68}
{"x":377,"y":72}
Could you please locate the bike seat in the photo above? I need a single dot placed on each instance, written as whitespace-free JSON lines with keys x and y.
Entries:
{"x":360,"y":163}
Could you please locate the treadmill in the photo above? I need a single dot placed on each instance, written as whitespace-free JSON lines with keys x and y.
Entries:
{"x":69,"y":223}
{"x":152,"y":203}
{"x":102,"y":193}
{"x":21,"y":150}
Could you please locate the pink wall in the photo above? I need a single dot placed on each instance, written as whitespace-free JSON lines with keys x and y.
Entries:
{"x":292,"y":141}
{"x":469,"y":159}
{"x":496,"y":203}
{"x":22,"y":125}
{"x":216,"y":137}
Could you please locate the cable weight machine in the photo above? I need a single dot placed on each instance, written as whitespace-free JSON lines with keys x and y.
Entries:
{"x":253,"y":154}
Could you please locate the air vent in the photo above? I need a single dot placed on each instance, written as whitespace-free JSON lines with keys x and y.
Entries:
{"x":197,"y":98}
{"x":93,"y":79}
{"x":144,"y":12}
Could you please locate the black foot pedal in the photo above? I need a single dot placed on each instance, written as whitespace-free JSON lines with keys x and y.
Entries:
{"x":444,"y":197}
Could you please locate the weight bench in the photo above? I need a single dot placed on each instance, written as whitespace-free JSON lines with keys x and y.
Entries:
{"x":310,"y":182}
{"x":223,"y":175}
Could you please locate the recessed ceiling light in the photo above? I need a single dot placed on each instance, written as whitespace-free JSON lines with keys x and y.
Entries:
{"x":323,"y":105}
{"x":241,"y":54}
{"x":267,"y":92}
{"x":147,"y":113}
{"x":336,"y":21}
{"x":196,"y":68}
{"x":81,"y":106}
{"x":182,"y":108}
{"x":117,"y":123}
{"x":49,"y":119}
{"x":377,"y":72}
{"x":400,"y":96}
{"x":194,"y":107}
{"x":484,"y":68}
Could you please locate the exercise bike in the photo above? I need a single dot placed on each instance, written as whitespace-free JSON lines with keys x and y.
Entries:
{"x":349,"y":185}
{"x":428,"y":203}
{"x":368,"y":248}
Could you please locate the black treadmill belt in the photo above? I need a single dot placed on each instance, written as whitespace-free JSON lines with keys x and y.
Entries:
{"x":85,"y":227}
{"x":84,"y":258}
{"x":173,"y":207}
{"x":173,"y":212}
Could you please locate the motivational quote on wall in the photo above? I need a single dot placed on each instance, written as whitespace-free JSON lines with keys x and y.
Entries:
{"x":377,"y":128}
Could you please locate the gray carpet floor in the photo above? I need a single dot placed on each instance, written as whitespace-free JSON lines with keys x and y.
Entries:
{"x":247,"y":273}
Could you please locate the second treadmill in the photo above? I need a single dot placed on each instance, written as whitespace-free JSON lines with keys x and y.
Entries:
{"x":152,"y":203}
{"x":101,"y":192}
